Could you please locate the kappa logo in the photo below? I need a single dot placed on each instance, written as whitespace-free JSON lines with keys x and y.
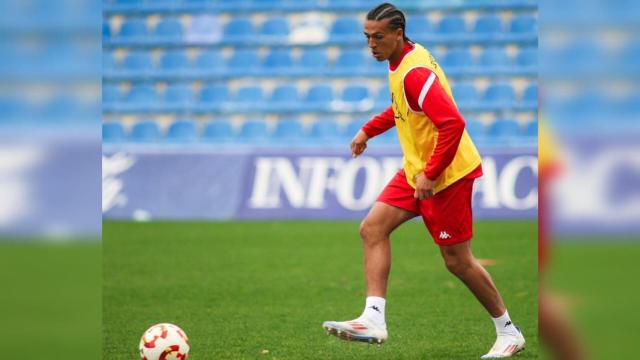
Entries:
{"x":444,"y":235}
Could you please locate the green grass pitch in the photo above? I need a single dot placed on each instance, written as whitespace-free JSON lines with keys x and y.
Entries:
{"x":261,"y":290}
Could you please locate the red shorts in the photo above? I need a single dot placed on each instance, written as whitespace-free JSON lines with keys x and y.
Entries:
{"x":447,"y":214}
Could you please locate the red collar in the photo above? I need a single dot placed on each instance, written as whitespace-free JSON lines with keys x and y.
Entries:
{"x":407,"y":47}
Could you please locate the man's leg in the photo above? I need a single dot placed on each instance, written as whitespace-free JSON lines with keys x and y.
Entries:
{"x":375,"y":230}
{"x":461,"y":262}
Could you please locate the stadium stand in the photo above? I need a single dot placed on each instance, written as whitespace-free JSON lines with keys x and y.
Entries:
{"x":211,"y":65}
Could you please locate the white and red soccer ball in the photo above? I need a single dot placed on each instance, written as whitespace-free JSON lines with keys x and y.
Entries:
{"x":164,"y":342}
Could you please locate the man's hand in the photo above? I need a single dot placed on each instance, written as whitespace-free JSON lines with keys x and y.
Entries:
{"x":359,"y":143}
{"x":424,"y":187}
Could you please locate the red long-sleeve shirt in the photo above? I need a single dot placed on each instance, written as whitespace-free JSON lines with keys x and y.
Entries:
{"x":438,"y":106}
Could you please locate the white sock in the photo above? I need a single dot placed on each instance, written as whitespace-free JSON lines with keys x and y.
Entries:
{"x":504,"y":325}
{"x":374,"y":310}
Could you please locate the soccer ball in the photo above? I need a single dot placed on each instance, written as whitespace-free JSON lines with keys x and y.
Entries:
{"x":164,"y":342}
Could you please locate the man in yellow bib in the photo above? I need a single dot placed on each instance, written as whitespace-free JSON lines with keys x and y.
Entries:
{"x":440,"y":164}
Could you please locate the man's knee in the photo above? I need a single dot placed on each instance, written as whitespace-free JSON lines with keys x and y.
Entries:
{"x":370,"y":232}
{"x":457,"y":265}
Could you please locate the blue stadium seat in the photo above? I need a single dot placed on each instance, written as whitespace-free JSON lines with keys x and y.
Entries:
{"x":500,"y":96}
{"x":527,"y":57}
{"x":530,"y":97}
{"x":254,"y":131}
{"x":174,"y":61}
{"x":475,"y":128}
{"x":112,"y":132}
{"x":238,"y":29}
{"x":141,"y":98}
{"x":459,"y":59}
{"x":169,"y":30}
{"x":343,"y":4}
{"x":495,"y":60}
{"x":353,"y":127}
{"x":313,"y":60}
{"x":524,"y":24}
{"x":209,"y":62}
{"x":284,"y":98}
{"x":268,"y":4}
{"x":465,"y":95}
{"x":417,"y":26}
{"x":290,"y":130}
{"x":106,"y":30}
{"x":452,"y":24}
{"x":324,"y":130}
{"x":110,"y":94}
{"x":249,"y":97}
{"x":13,"y":108}
{"x":278,"y":61}
{"x":531,"y":129}
{"x":355,"y":93}
{"x":582,"y":55}
{"x":178,"y":97}
{"x":109,"y":62}
{"x":590,"y":106}
{"x":488,"y":24}
{"x":630,"y":54}
{"x":62,"y":108}
{"x":383,"y":98}
{"x":504,"y":128}
{"x":214,"y":96}
{"x":350,"y":61}
{"x":182,"y":131}
{"x":244,"y":61}
{"x":319,"y":97}
{"x":438,"y":54}
{"x":145,"y":131}
{"x":218,"y":131}
{"x":138,"y":63}
{"x":134,"y":29}
{"x":345,"y":29}
{"x":275,"y":27}
{"x":375,"y":67}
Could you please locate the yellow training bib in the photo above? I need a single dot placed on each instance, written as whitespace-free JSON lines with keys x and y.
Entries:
{"x":417,"y":133}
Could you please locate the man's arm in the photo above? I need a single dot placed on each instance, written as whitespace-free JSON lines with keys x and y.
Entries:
{"x":425,"y":93}
{"x":374,"y":127}
{"x":380,"y":123}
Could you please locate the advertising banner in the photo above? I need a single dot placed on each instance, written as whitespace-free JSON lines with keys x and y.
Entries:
{"x":305,"y":183}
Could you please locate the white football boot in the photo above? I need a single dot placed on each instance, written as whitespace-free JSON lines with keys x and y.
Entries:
{"x":505,"y":346}
{"x":360,"y":329}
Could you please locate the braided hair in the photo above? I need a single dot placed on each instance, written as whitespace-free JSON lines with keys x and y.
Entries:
{"x":389,"y":11}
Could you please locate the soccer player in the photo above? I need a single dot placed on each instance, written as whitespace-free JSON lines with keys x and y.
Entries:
{"x":440,"y":164}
